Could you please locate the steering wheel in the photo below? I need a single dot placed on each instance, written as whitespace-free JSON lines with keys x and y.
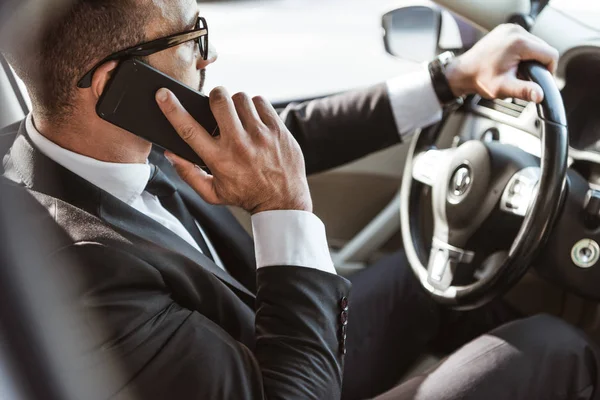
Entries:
{"x":478,"y":189}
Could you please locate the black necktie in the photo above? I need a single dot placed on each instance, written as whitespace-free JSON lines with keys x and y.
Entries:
{"x":160,"y":186}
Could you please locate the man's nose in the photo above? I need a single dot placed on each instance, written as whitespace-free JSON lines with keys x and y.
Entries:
{"x":212,"y":57}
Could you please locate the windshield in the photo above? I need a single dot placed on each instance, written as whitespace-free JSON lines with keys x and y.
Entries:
{"x":584,"y":11}
{"x":294,"y":49}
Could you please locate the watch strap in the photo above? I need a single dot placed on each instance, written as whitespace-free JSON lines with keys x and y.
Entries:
{"x":441,"y":86}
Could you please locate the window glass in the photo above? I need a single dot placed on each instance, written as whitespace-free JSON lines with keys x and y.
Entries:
{"x":294,"y":49}
{"x":585,"y":11}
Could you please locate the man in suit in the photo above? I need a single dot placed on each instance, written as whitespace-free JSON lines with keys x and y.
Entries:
{"x":191,"y":304}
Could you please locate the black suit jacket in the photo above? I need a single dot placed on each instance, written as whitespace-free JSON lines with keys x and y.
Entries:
{"x":182,"y":327}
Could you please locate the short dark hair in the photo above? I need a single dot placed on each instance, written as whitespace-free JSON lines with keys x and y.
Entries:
{"x":67,"y":47}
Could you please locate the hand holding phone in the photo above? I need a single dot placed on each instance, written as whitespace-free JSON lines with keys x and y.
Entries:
{"x":256,"y":163}
{"x":129,"y":103}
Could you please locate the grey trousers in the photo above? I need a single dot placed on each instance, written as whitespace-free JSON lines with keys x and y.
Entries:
{"x":540,"y":357}
{"x":392,"y":321}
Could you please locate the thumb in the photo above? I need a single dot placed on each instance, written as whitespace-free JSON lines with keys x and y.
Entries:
{"x":196,"y":178}
{"x":520,"y":89}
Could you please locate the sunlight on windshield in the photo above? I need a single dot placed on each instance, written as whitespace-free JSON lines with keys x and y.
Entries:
{"x":585,"y":11}
{"x":576,"y":4}
{"x":292,"y":49}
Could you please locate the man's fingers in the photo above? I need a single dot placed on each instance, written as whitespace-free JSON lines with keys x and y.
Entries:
{"x":188,"y":128}
{"x":553,"y":65}
{"x":535,"y":50}
{"x":267,"y":113}
{"x":524,"y":90}
{"x":246,"y":110}
{"x":199,"y":180}
{"x":224,"y":111}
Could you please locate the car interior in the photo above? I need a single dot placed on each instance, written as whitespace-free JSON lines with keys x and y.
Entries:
{"x":530,"y":175}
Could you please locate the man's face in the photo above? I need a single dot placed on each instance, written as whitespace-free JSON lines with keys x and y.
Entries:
{"x":184,"y":62}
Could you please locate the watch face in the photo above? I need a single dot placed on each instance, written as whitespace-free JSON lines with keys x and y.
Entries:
{"x":445,"y":57}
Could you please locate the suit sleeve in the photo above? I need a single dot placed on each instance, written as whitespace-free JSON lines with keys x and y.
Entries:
{"x":171,"y":351}
{"x":338,"y":129}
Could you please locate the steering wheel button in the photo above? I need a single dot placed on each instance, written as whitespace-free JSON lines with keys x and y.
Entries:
{"x":516,"y":188}
{"x":520,"y":191}
{"x":439,"y":265}
{"x":514,"y":202}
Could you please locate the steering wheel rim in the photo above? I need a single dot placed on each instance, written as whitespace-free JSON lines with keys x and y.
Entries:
{"x":538,"y":220}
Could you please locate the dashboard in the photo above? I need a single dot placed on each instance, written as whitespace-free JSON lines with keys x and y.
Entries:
{"x":516,"y":122}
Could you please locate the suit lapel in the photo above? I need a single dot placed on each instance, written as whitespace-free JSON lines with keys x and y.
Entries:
{"x":127,"y":219}
{"x":28,"y":166}
{"x":232,"y":243}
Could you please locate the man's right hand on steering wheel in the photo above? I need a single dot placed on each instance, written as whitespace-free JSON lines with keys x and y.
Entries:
{"x":489,"y":69}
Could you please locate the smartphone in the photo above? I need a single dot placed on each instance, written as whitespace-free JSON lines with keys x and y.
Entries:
{"x":129,"y":102}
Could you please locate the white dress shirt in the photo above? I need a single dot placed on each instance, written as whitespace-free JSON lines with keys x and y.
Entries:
{"x":414,"y":102}
{"x":295,"y":238}
{"x":124,"y":181}
{"x":281,"y":237}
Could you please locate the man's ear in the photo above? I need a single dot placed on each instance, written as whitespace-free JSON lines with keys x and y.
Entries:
{"x":102,"y":76}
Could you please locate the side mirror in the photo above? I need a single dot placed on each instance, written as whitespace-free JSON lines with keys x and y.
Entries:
{"x":419,"y":33}
{"x":412,"y":32}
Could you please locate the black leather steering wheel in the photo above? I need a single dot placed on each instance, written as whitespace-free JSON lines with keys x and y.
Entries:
{"x":475,"y":186}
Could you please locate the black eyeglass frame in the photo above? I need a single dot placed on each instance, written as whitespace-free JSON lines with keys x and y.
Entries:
{"x":200,"y":34}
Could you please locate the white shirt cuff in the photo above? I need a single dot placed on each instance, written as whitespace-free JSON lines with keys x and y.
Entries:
{"x":295,"y":238}
{"x":414,"y":102}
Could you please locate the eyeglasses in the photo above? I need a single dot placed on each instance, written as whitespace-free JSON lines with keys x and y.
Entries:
{"x":199,"y":34}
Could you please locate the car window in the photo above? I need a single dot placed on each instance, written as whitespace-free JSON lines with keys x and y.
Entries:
{"x":297,"y":49}
{"x":584,"y":11}
{"x":294,"y":49}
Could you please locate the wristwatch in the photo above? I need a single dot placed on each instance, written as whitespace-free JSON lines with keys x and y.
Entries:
{"x":441,"y":86}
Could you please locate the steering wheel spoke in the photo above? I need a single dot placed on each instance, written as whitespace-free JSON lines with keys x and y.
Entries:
{"x":466,"y":187}
{"x":443,"y":261}
{"x":428,"y":164}
{"x":520,"y":192}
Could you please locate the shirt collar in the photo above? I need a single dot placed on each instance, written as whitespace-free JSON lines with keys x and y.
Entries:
{"x":124,"y":181}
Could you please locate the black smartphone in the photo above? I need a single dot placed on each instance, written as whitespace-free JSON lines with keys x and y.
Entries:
{"x":129,"y":102}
